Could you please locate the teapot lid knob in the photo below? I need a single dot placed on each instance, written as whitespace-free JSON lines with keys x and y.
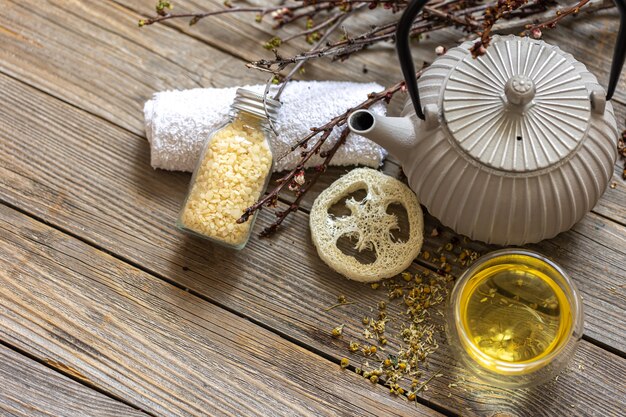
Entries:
{"x":519,"y":90}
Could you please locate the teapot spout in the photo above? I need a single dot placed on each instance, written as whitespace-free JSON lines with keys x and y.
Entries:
{"x":396,"y":134}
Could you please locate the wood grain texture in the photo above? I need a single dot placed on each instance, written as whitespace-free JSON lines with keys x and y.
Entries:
{"x":125,"y":207}
{"x":239,"y":35}
{"x":93,"y":55}
{"x":92,"y":179}
{"x":113,"y":66}
{"x":29,"y":389}
{"x":155,"y":345}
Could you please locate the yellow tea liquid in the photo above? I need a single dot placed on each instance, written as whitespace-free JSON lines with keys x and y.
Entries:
{"x":514,"y":312}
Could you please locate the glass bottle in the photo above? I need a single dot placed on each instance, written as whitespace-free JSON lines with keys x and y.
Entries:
{"x":232,"y":173}
{"x":514,"y":318}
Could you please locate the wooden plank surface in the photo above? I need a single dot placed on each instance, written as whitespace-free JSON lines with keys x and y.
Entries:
{"x":126,"y":208}
{"x":92,"y":179}
{"x":117,"y":66}
{"x":29,"y":389}
{"x":157,"y":346}
{"x":93,"y":55}
{"x":239,"y":35}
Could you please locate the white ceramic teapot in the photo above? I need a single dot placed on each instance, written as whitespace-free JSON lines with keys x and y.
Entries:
{"x":512,"y":147}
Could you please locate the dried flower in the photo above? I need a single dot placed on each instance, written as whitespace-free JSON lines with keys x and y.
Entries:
{"x":536,"y":33}
{"x":273,"y":43}
{"x":337,"y":331}
{"x":344,"y":363}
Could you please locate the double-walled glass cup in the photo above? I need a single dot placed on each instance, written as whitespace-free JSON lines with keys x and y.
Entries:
{"x":497,"y":323}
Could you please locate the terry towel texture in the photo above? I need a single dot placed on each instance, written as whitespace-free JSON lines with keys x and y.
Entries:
{"x":178,"y":122}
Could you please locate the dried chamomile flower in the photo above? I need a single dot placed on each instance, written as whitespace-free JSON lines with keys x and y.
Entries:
{"x":337,"y":331}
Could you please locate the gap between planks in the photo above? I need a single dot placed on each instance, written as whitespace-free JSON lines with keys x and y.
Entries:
{"x":72,"y":376}
{"x":287,"y":337}
{"x":83,"y":110}
{"x":53,"y":246}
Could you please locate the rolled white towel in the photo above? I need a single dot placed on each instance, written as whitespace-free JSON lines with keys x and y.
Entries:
{"x":178,"y":122}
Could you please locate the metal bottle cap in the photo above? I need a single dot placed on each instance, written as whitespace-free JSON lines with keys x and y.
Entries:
{"x":252,"y":103}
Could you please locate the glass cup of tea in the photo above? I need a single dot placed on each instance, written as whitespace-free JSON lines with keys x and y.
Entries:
{"x":514,"y":318}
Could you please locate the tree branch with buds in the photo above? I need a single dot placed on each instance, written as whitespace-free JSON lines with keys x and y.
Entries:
{"x":294,"y":179}
{"x":322,"y":18}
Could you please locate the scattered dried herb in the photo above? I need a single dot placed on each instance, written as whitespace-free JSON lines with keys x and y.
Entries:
{"x":341,"y":301}
{"x":403,"y":329}
{"x":337,"y":331}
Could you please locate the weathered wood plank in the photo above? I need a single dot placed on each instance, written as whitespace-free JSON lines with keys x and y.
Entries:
{"x":590,"y":38}
{"x":92,"y":54}
{"x":103,"y":191}
{"x":573,"y":35}
{"x":157,"y":346}
{"x":29,"y":389}
{"x":117,"y":66}
{"x":239,"y":35}
{"x":58,"y":197}
{"x":126,"y":207}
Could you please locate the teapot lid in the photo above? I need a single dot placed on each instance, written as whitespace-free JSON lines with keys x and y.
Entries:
{"x":522,"y":106}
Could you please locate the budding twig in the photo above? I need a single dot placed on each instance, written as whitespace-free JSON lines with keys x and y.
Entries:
{"x":479,"y":19}
{"x":271,"y":198}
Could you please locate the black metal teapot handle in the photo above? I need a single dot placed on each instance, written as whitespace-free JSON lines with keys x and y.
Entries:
{"x":408,"y":69}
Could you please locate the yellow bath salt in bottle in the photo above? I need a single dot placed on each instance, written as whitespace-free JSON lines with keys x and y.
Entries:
{"x":232,"y":173}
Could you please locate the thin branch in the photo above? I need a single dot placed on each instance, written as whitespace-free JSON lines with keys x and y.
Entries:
{"x":560,"y":14}
{"x":528,"y":21}
{"x":288,"y":180}
{"x":195,"y":17}
{"x":299,"y":65}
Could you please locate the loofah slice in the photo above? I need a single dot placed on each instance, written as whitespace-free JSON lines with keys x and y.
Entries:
{"x":369,"y":225}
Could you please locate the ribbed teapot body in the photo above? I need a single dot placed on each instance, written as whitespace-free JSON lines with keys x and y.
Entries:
{"x":512,"y":178}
